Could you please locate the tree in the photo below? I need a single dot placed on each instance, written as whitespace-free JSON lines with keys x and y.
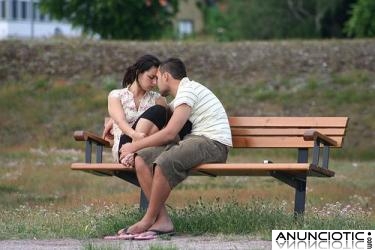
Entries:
{"x":362,"y":20}
{"x":116,"y":19}
{"x":275,"y":19}
{"x":333,"y":23}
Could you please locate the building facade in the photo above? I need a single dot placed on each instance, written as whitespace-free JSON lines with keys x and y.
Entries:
{"x":23,"y":19}
{"x":189,"y":18}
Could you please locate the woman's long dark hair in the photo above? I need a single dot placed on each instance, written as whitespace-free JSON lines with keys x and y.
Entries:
{"x":143,"y":64}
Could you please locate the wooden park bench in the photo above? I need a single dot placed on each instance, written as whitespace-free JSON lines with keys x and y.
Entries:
{"x":312,"y":137}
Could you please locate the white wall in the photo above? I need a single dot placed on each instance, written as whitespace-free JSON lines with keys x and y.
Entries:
{"x":3,"y":30}
{"x":24,"y":27}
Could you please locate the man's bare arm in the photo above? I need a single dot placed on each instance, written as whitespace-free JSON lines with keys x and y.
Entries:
{"x":179,"y":117}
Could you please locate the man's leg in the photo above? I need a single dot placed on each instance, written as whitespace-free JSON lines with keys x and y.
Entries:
{"x":157,"y":190}
{"x":163,"y":221}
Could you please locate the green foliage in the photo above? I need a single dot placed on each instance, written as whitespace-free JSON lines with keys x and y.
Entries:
{"x":214,"y":21}
{"x":110,"y":83}
{"x":275,"y":19}
{"x":115,"y":19}
{"x":362,"y":21}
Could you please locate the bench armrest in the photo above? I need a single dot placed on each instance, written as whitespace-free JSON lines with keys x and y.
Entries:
{"x":313,"y":135}
{"x":89,"y":136}
{"x":318,"y":138}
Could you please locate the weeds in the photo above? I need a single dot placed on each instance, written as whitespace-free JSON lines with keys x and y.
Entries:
{"x":257,"y":218}
{"x":92,"y":246}
{"x":42,"y":198}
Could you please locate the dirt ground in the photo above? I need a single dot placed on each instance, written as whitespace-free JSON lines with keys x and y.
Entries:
{"x":176,"y":242}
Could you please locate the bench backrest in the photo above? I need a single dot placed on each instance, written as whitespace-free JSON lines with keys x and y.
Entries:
{"x":284,"y":132}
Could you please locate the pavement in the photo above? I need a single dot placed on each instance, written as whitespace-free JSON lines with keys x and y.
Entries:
{"x":176,"y":242}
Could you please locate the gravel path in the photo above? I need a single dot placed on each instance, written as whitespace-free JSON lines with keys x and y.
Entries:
{"x":176,"y":242}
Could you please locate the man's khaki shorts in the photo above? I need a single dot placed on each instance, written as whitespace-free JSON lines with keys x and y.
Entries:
{"x":176,"y":159}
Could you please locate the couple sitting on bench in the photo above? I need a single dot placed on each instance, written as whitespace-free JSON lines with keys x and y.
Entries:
{"x":161,"y":145}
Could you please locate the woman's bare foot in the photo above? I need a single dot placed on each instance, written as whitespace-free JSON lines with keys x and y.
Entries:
{"x":139,"y":227}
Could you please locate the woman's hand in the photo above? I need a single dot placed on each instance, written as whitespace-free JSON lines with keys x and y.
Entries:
{"x":107,"y":131}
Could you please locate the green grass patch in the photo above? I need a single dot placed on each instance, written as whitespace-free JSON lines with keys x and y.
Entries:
{"x":162,"y":247}
{"x":93,"y":246}
{"x":8,"y":189}
{"x":42,"y":198}
{"x":256,"y":218}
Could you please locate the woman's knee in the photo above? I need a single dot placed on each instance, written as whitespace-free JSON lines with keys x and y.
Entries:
{"x":157,"y":114}
{"x":152,"y":120}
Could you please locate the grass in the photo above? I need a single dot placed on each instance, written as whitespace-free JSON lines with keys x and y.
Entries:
{"x":256,"y":218}
{"x":42,"y":198}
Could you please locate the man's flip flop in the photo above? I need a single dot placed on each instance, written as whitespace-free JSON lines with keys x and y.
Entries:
{"x":152,"y":234}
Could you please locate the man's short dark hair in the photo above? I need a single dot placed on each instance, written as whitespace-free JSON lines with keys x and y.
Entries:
{"x":175,"y":67}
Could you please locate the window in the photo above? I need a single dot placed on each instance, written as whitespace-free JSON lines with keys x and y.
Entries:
{"x":14,"y":9}
{"x":185,"y":27}
{"x":42,"y":17}
{"x":23,"y":10}
{"x":2,"y":9}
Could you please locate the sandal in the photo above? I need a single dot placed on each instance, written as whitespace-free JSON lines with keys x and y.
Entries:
{"x":152,"y":234}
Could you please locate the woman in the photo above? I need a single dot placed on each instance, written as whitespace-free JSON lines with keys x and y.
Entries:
{"x":127,"y":106}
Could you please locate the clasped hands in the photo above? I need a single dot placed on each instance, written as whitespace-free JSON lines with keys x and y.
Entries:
{"x":127,"y":155}
{"x":127,"y":150}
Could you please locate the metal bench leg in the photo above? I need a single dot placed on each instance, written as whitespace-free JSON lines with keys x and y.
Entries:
{"x":143,"y":202}
{"x":300,"y":185}
{"x":300,"y":196}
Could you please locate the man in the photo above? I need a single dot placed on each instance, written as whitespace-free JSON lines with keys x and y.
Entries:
{"x":160,"y":162}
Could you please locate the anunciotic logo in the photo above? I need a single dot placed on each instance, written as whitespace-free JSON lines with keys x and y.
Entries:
{"x":323,"y":239}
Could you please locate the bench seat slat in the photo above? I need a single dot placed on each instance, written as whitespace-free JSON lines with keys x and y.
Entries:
{"x":284,"y":132}
{"x":219,"y":169}
{"x":276,"y":142}
{"x":206,"y":167}
{"x":308,"y":122}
